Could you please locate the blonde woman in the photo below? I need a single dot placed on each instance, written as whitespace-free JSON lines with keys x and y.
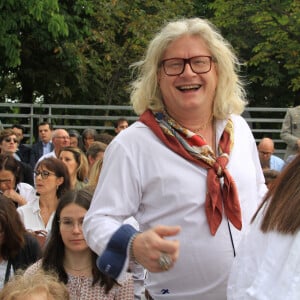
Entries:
{"x":40,"y":286}
{"x":77,"y":165}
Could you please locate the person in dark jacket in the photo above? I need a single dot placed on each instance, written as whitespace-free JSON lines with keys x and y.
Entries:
{"x":18,"y":248}
{"x":23,"y":151}
{"x":43,"y":145}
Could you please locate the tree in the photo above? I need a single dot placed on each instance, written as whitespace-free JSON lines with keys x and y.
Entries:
{"x":18,"y":18}
{"x":86,"y":57}
{"x":266,"y":35}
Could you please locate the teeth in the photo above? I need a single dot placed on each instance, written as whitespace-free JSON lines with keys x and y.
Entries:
{"x":189,"y":87}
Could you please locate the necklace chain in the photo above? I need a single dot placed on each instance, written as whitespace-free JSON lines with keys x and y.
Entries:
{"x":204,"y":126}
{"x":78,"y":270}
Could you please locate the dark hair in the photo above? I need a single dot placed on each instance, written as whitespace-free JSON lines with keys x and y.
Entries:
{"x":46,"y":123}
{"x":12,"y":227}
{"x":104,"y":137}
{"x":54,"y":251}
{"x":59,"y":168}
{"x":95,"y":148}
{"x":282,"y":201}
{"x":18,"y":126}
{"x":88,"y":132}
{"x":74,"y":133}
{"x":120,"y":120}
{"x":9,"y":163}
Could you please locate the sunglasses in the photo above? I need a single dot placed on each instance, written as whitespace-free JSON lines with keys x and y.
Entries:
{"x":9,"y":140}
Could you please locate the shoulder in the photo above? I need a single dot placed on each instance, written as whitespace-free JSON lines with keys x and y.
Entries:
{"x":239,"y":126}
{"x":294,"y":111}
{"x":126,"y":287}
{"x":23,"y":186}
{"x":29,"y":207}
{"x":237,"y":119}
{"x":136,"y":137}
{"x":33,"y":268}
{"x":36,"y":145}
{"x":277,"y":159}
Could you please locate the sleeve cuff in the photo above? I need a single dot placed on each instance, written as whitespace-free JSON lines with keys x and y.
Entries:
{"x":114,"y":259}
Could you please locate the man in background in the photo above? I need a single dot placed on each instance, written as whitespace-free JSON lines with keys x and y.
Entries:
{"x":44,"y":145}
{"x":267,"y":159}
{"x":23,"y":151}
{"x":120,"y":125}
{"x":290,"y":131}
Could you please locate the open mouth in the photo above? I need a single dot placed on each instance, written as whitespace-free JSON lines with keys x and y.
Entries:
{"x":187,"y":88}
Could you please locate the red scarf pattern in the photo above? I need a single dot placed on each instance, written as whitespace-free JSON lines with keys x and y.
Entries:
{"x":192,"y":147}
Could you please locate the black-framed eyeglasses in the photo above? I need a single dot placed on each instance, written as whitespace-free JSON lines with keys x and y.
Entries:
{"x":44,"y":174}
{"x":175,"y":66}
{"x":8,"y":140}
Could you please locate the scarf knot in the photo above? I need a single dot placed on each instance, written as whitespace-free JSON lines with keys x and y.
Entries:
{"x":220,"y":164}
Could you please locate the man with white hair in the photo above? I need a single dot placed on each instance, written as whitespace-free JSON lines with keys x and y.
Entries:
{"x":60,"y":139}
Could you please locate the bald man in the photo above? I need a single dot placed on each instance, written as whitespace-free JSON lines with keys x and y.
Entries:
{"x":266,"y":157}
{"x":60,"y":139}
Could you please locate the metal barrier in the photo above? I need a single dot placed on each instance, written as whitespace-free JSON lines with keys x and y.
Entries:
{"x":264,"y":121}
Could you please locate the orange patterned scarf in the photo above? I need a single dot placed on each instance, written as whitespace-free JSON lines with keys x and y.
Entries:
{"x":219,"y":196}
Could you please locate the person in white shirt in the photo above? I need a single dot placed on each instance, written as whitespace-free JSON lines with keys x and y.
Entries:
{"x":11,"y":185}
{"x":267,"y":265}
{"x":60,"y":139}
{"x":188,"y":170}
{"x":52,"y":181}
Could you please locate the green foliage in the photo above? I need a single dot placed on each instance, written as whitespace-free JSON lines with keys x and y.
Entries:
{"x":79,"y":51}
{"x":266,"y":35}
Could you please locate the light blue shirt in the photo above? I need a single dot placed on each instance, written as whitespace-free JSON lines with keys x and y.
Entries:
{"x":46,"y":148}
{"x":276,"y":163}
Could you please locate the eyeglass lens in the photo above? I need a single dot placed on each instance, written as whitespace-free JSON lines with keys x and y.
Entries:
{"x":176,"y":66}
{"x":69,"y":224}
{"x":44,"y":174}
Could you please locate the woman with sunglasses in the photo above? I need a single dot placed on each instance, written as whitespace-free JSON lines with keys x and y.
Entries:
{"x":51,"y":181}
{"x":68,"y":254}
{"x":10,"y":181}
{"x":9,"y":146}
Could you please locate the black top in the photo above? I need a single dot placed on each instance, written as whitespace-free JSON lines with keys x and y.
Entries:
{"x":29,"y":254}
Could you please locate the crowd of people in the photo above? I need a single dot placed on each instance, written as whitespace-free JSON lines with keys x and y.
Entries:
{"x":45,"y":189}
{"x":182,"y":204}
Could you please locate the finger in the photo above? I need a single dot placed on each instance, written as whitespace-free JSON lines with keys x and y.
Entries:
{"x":163,"y":230}
{"x":169,"y":246}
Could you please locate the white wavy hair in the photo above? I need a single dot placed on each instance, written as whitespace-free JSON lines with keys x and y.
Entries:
{"x":230,"y":93}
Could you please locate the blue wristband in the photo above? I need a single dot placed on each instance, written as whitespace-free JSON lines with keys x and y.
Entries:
{"x":112,"y":260}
